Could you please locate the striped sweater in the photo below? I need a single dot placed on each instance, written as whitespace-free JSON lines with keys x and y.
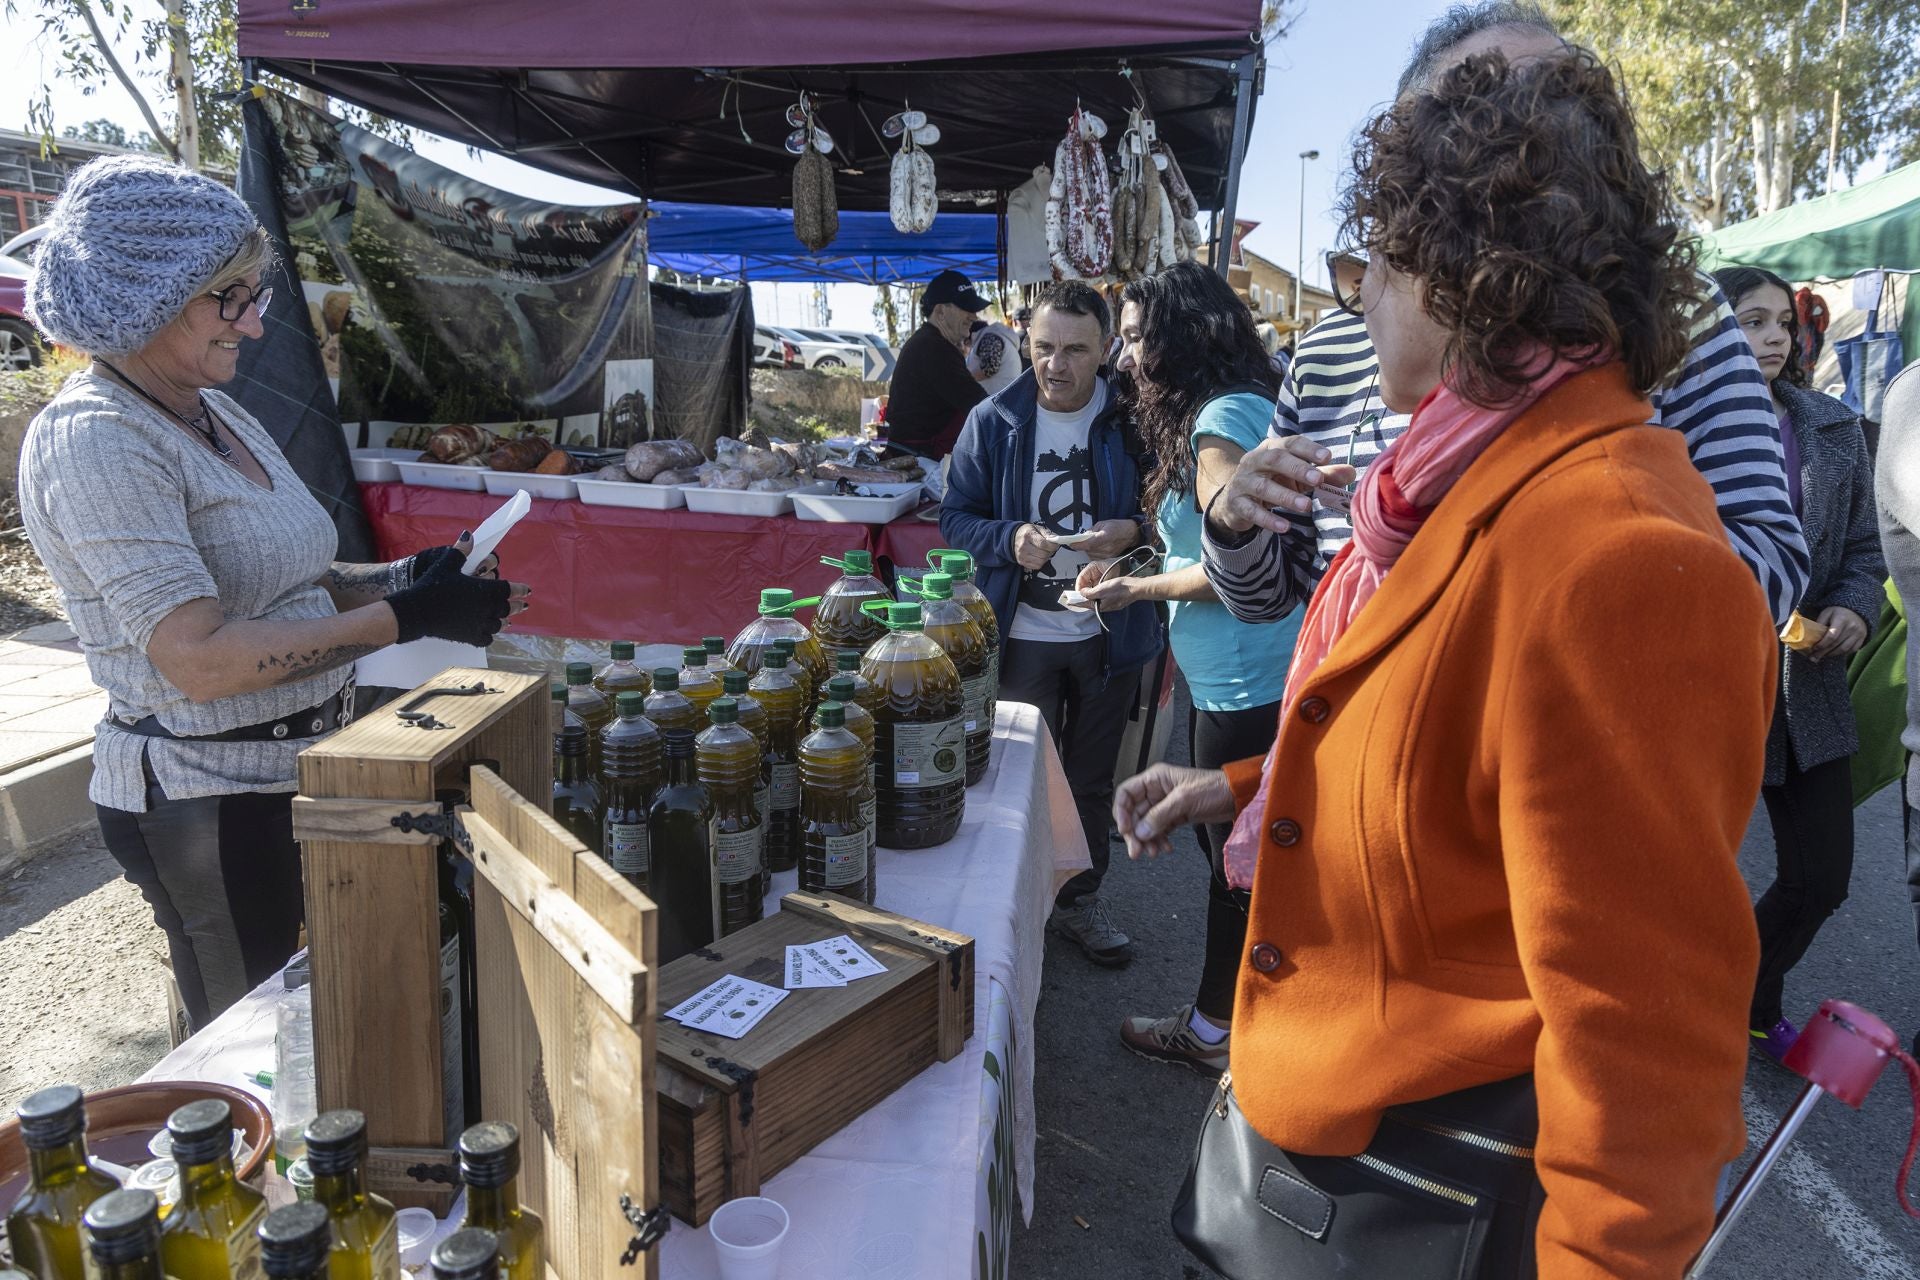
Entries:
{"x":1719,"y":402}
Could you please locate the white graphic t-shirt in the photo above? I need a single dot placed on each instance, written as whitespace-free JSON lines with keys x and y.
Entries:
{"x":1062,"y":503}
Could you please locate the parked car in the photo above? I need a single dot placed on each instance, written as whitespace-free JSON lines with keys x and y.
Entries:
{"x":826,"y":349}
{"x":772,"y":349}
{"x":19,"y":344}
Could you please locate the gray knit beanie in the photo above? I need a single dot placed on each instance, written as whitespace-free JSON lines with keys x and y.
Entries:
{"x":129,"y":242}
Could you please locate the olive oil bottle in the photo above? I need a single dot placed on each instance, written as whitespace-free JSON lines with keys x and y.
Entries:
{"x":212,"y":1232}
{"x":716,"y":647}
{"x":919,"y":736}
{"x":680,"y":879}
{"x":777,"y":691}
{"x":576,"y":798}
{"x":848,"y":665}
{"x":622,"y":674}
{"x":697,"y":684}
{"x":295,"y":1241}
{"x":836,"y":855}
{"x":948,"y":622}
{"x":776,"y":620}
{"x":366,"y":1236}
{"x":959,"y":566}
{"x":839,"y":623}
{"x":123,"y":1236}
{"x":594,"y":708}
{"x":44,"y":1224}
{"x":631,"y":771}
{"x":859,"y":722}
{"x":810,"y":688}
{"x":727,"y":759}
{"x":753,"y":718}
{"x":471,"y":1253}
{"x":490,"y":1166}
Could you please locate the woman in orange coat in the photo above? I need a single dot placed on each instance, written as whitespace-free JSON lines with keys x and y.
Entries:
{"x":1522,"y":734}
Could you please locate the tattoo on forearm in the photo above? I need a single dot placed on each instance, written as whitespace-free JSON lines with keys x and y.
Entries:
{"x":374,"y":581}
{"x":288,"y":667}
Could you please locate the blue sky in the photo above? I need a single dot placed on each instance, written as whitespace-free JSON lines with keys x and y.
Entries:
{"x":1336,"y":67}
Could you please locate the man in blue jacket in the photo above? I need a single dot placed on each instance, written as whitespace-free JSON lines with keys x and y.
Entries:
{"x":1040,"y":483}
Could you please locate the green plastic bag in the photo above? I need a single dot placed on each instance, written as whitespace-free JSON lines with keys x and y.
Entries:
{"x":1877,"y":681}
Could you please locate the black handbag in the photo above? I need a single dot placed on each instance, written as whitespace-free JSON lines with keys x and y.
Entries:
{"x":1445,"y":1191}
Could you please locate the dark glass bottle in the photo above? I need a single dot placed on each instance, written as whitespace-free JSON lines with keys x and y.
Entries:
{"x":295,"y":1241}
{"x":490,"y":1166}
{"x":576,"y":799}
{"x":459,"y":990}
{"x":777,"y":690}
{"x":44,"y":1224}
{"x":727,"y":760}
{"x":836,"y":855}
{"x":123,"y":1236}
{"x":622,"y":674}
{"x":212,"y":1232}
{"x":681,"y":878}
{"x":594,"y":708}
{"x":366,"y":1235}
{"x":631,"y":773}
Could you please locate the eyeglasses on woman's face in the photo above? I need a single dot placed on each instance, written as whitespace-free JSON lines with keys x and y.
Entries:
{"x":236,"y":298}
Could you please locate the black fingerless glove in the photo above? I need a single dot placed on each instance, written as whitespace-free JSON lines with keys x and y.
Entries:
{"x":422,"y":563}
{"x":448,"y":605}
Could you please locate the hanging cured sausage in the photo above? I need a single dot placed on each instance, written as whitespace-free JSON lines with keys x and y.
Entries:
{"x":1079,"y":202}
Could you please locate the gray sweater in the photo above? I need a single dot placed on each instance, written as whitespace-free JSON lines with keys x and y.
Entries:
{"x":135,"y":518}
{"x":1896,"y":488}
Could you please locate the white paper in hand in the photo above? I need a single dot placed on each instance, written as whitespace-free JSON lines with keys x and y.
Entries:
{"x":494,"y":529}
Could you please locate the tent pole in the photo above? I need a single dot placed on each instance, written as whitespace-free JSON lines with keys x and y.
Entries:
{"x":1244,"y":70}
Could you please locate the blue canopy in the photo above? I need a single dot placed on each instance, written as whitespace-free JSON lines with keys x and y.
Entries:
{"x":744,"y":243}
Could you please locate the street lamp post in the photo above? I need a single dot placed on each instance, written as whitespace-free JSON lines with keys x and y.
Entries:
{"x":1300,"y":260}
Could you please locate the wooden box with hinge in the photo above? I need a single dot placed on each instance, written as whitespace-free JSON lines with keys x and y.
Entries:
{"x":564,"y":958}
{"x":733,"y":1113}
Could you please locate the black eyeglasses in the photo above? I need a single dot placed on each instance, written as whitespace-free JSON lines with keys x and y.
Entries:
{"x":1347,"y":302}
{"x":236,"y":298}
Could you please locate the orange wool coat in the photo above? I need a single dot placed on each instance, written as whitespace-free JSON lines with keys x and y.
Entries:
{"x":1503,"y":830}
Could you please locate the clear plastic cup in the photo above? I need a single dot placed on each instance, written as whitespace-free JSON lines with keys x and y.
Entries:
{"x":747,"y":1235}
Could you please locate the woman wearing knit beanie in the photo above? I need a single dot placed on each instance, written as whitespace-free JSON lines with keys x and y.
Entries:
{"x":197,"y":569}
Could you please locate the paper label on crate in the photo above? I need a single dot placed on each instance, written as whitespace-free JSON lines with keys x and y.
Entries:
{"x":929,"y":755}
{"x":730,"y":1007}
{"x":628,"y":851}
{"x":847,"y":956}
{"x":973,"y":693}
{"x":243,"y":1248}
{"x":786,"y":787}
{"x":736,"y":854}
{"x":803,"y":971}
{"x":847,"y":859}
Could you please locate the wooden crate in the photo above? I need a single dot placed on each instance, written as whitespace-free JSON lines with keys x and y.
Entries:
{"x":735,"y":1112}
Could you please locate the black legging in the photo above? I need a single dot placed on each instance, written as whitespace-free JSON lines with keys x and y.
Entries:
{"x":1219,"y":738}
{"x":1812,"y":817}
{"x":222,"y":874}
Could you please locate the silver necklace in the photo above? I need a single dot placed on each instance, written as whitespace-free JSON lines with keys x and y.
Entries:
{"x":201,"y":423}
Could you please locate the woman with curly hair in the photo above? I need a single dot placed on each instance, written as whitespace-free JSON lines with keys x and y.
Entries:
{"x":1492,"y":1013}
{"x":1809,"y":780}
{"x":1203,"y":396}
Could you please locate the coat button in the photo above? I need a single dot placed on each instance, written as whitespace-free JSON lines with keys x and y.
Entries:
{"x":1314,"y":710}
{"x":1285,"y":832}
{"x":1266,"y":957}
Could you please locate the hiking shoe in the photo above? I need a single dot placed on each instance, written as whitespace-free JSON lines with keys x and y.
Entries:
{"x":1087,"y":923}
{"x":1172,"y":1039}
{"x":1775,"y":1040}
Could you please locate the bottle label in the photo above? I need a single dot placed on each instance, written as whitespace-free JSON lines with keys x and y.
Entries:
{"x":929,"y":755}
{"x":243,"y":1248}
{"x":385,"y":1254}
{"x":786,"y":786}
{"x":846,"y":859}
{"x":628,"y":851}
{"x":453,"y":1100}
{"x":973,"y":693}
{"x":736,"y":854}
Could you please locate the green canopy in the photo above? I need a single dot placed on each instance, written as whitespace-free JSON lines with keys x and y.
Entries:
{"x":1876,"y":224}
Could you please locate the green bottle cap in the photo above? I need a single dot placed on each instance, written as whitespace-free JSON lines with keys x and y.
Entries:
{"x":714,"y":644}
{"x":776,"y":600}
{"x":956,"y":563}
{"x":579,"y":673}
{"x":723,"y":711}
{"x":665,"y":678}
{"x":904,"y":615}
{"x":831,"y":716}
{"x":622,"y":650}
{"x":858,"y":561}
{"x":775,"y":658}
{"x":631,"y":702}
{"x":559,"y":693}
{"x":734,"y":682}
{"x":937,"y":586}
{"x":694,"y":655}
{"x":786,"y":644}
{"x":848,"y":660}
{"x":840,"y":688}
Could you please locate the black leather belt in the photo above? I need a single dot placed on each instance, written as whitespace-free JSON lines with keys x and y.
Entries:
{"x":334,"y":713}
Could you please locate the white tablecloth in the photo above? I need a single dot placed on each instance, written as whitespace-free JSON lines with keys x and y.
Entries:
{"x":897,"y":1193}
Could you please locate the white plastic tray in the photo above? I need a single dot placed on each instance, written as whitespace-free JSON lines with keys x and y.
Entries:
{"x":740,"y":502}
{"x":530,"y":482}
{"x":442,"y":475}
{"x":376,"y":466}
{"x":855,"y":510}
{"x":621,"y":493}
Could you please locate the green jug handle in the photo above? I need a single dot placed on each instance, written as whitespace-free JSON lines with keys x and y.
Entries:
{"x":841,"y":565}
{"x":877,"y":610}
{"x":933,"y":556}
{"x":910,"y":586}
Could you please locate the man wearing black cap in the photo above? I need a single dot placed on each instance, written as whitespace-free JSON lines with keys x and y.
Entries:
{"x":932,"y":390}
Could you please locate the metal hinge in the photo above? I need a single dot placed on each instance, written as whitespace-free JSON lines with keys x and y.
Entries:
{"x":434,"y":1173}
{"x":651,"y":1225}
{"x":440,"y":824}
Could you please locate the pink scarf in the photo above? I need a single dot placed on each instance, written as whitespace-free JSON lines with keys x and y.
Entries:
{"x":1398,"y":493}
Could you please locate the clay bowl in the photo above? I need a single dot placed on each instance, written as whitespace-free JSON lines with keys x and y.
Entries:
{"x":121,"y":1121}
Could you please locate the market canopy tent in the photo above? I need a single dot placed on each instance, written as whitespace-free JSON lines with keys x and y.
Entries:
{"x":1876,"y":224}
{"x":732,"y":242}
{"x":680,"y":101}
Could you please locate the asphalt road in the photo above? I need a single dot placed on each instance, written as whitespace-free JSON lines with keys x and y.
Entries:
{"x":1116,"y":1131}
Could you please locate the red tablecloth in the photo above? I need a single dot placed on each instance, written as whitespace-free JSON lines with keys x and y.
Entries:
{"x":658,"y":577}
